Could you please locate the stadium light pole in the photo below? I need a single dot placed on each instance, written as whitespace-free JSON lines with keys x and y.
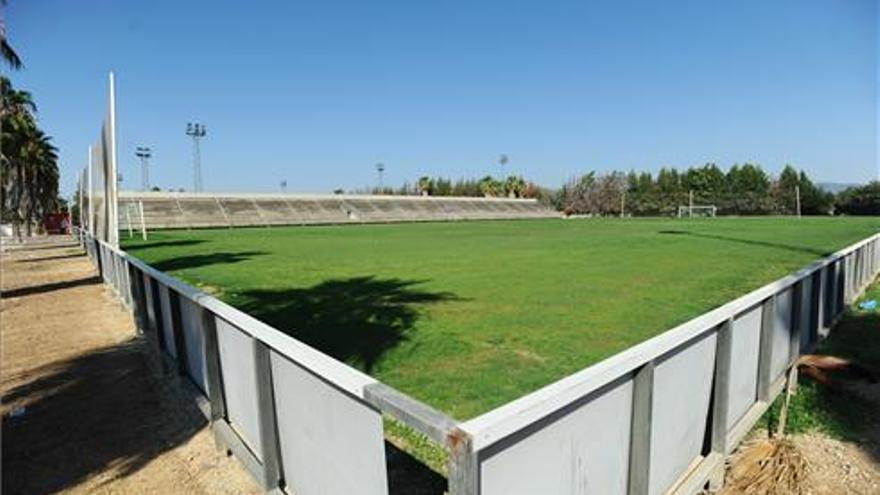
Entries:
{"x":196,"y":131}
{"x":502,"y":161}
{"x":380,"y":168}
{"x":144,"y":153}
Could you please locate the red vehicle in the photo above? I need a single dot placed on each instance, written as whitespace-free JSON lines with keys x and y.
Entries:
{"x":57,"y":223}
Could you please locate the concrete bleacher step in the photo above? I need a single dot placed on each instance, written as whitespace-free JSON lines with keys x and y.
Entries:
{"x":182,"y":210}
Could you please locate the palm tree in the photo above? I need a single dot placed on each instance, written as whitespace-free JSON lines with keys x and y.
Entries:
{"x":8,"y":53}
{"x":514,"y":186}
{"x":29,"y":165}
{"x":426,"y":185}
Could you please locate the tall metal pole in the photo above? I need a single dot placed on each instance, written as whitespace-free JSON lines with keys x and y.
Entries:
{"x":197,"y":165}
{"x":196,"y":131}
{"x":380,"y":168}
{"x":502,"y":161}
{"x":144,"y":153}
{"x":90,"y":228}
{"x":797,"y":198}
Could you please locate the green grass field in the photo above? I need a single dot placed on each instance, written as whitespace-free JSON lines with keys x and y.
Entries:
{"x":467,"y":316}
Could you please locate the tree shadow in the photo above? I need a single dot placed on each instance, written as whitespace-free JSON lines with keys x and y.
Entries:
{"x":160,"y":244}
{"x":49,"y":287}
{"x":752,"y":242}
{"x":197,"y":260}
{"x":355,"y":320}
{"x":82,"y":416}
{"x":52,"y":258}
{"x":15,"y":246}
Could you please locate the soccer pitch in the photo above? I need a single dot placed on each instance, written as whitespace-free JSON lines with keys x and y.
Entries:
{"x":467,"y":316}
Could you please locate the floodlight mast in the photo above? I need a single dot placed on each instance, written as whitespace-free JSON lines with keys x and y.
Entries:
{"x":380,"y":168}
{"x":502,"y":161}
{"x":196,"y":131}
{"x":144,"y":153}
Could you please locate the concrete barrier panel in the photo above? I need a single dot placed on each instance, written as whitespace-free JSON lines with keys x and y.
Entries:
{"x":331,"y":442}
{"x":681,"y":396}
{"x":806,"y":311}
{"x":190,"y":317}
{"x":781,"y":339}
{"x":167,"y":321}
{"x":240,"y":383}
{"x":583,"y":449}
{"x":745,"y":345}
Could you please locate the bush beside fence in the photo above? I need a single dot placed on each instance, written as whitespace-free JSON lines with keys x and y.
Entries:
{"x":656,"y":418}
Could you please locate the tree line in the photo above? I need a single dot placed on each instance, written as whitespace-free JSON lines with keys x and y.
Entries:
{"x":488,"y":186}
{"x":860,"y":200}
{"x":745,"y":189}
{"x":742,"y":190}
{"x":29,"y":162}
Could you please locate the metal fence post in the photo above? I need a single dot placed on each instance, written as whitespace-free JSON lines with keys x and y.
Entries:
{"x":178,"y":332}
{"x":464,"y":466}
{"x":213,"y":370}
{"x":157,"y":314}
{"x":271,"y":455}
{"x":816,"y":303}
{"x":765,"y":352}
{"x":797,"y":299}
{"x":138,"y":298}
{"x":640,"y":431}
{"x":721,"y":398}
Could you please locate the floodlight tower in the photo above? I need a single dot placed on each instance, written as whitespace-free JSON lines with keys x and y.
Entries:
{"x":502,"y":161}
{"x":380,"y":168}
{"x":196,"y":131}
{"x":144,"y":153}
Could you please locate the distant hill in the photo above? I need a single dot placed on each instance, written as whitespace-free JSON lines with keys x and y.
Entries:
{"x":834,"y":187}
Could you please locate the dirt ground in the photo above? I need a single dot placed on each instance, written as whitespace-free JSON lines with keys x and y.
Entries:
{"x":82,"y":409}
{"x":835,"y":466}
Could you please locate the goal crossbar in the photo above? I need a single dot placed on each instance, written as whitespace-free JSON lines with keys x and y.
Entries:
{"x":697,"y":210}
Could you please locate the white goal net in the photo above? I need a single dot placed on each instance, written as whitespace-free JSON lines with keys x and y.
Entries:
{"x":690,"y":211}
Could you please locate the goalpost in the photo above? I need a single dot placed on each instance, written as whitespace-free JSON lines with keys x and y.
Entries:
{"x":691,"y":211}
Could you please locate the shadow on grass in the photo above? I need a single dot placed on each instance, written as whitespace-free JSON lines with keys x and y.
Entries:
{"x":848,"y":410}
{"x":197,"y":260}
{"x":751,"y":242}
{"x":96,"y":412}
{"x":355,"y":320}
{"x":161,"y":244}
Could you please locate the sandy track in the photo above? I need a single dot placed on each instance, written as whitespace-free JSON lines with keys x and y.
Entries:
{"x":97,"y":418}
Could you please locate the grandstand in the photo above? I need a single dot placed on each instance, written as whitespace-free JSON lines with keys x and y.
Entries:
{"x":169,"y":210}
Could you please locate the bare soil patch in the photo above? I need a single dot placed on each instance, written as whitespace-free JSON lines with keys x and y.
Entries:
{"x":83,"y":411}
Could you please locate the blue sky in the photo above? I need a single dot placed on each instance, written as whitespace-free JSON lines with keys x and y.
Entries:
{"x":317,"y":92}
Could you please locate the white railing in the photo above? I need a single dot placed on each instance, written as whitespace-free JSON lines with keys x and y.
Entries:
{"x":660,"y":416}
{"x":296,"y":418}
{"x":656,"y":418}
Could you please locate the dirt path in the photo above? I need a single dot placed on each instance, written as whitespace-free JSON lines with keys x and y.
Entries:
{"x":82,"y":410}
